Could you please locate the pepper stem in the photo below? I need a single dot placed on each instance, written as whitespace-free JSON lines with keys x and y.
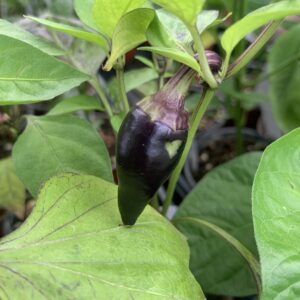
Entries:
{"x":179,"y":84}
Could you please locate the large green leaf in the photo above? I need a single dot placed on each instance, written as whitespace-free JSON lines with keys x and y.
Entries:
{"x":130,"y":32}
{"x":107,"y":13}
{"x":276,"y":207}
{"x":256,"y":19}
{"x":180,"y":56}
{"x":12,"y":191}
{"x":186,"y":10}
{"x":75,"y":32}
{"x":73,"y":247}
{"x":222,"y":198}
{"x":284,"y":84}
{"x":84,"y":10}
{"x":14,"y":31}
{"x":52,"y":145}
{"x":76,"y":103}
{"x":29,"y":75}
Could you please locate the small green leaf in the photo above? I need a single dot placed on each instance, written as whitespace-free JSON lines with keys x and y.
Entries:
{"x":187,"y":10}
{"x":175,"y":54}
{"x":130,"y":32}
{"x":223,"y":198}
{"x":74,"y":104}
{"x":205,"y":19}
{"x":116,"y":121}
{"x":284,"y":85}
{"x":146,"y":61}
{"x":18,"y":33}
{"x":84,"y":10}
{"x":52,"y":145}
{"x":29,"y":75}
{"x":73,"y":247}
{"x":275,"y":11}
{"x":75,"y":32}
{"x":12,"y":191}
{"x":107,"y":13}
{"x":276,"y":207}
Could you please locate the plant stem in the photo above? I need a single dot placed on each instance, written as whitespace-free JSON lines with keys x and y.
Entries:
{"x":253,"y":49}
{"x":121,"y":85}
{"x":207,"y":74}
{"x":95,"y":84}
{"x":236,"y":244}
{"x":207,"y":95}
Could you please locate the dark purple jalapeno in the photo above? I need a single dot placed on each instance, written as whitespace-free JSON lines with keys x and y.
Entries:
{"x":151,"y":140}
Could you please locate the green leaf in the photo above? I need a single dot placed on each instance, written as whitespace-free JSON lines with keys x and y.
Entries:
{"x":84,"y":10}
{"x":133,"y":79}
{"x":275,"y":11}
{"x":223,"y":198}
{"x":29,"y":75}
{"x":146,"y":61}
{"x":107,"y":13}
{"x":73,"y":247}
{"x":52,"y":145}
{"x":157,"y":33}
{"x":74,"y":104}
{"x":176,"y":29}
{"x":233,"y":242}
{"x":87,"y":57}
{"x":187,"y":10}
{"x":276,"y":207}
{"x":12,"y":191}
{"x":116,"y":121}
{"x":75,"y":32}
{"x":13,"y":31}
{"x":284,"y":84}
{"x":130,"y":32}
{"x":180,"y":56}
{"x":206,"y":18}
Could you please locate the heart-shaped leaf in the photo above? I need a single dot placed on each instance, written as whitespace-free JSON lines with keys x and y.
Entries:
{"x":73,"y":247}
{"x":130,"y":32}
{"x":29,"y":75}
{"x":52,"y":145}
{"x":223,"y":198}
{"x":12,"y":190}
{"x":11,"y":30}
{"x":276,"y":207}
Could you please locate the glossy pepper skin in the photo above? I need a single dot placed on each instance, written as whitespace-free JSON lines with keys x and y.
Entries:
{"x":150,"y":143}
{"x":144,"y":160}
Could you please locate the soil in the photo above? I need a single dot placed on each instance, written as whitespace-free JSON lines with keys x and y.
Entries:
{"x":217,"y":152}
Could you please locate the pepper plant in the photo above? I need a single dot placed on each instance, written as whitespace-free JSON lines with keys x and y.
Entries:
{"x":89,"y":238}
